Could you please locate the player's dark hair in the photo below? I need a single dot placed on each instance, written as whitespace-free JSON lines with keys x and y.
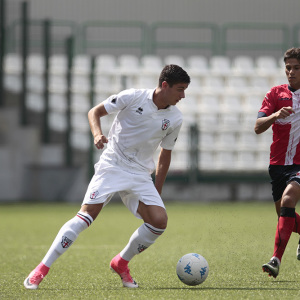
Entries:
{"x":173,"y":74}
{"x":292,"y":53}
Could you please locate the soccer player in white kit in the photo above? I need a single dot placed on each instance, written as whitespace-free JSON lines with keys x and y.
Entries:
{"x":146,"y":119}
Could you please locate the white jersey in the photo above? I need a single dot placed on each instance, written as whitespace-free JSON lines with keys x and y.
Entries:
{"x":139,"y":128}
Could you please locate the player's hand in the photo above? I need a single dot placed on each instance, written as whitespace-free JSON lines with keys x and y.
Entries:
{"x":99,"y":141}
{"x":284,"y":112}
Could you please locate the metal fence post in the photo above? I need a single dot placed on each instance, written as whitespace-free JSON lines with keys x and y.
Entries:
{"x":193,"y":151}
{"x":25,"y":40}
{"x":2,"y":49}
{"x":92,"y":95}
{"x":70,"y":53}
{"x":47,"y":53}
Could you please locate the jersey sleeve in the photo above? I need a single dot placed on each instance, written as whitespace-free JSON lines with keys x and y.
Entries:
{"x":169,"y":141}
{"x":118,"y":102}
{"x":268,"y":104}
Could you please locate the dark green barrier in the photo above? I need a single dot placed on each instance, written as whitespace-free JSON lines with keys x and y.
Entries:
{"x":244,"y":29}
{"x":211,"y":44}
{"x":132,"y":40}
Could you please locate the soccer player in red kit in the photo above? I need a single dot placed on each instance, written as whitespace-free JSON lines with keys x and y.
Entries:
{"x":281,"y":110}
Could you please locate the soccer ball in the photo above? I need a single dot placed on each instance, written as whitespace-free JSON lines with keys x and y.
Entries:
{"x":192,"y":269}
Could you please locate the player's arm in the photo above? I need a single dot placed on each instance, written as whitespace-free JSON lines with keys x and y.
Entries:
{"x":162,"y":168}
{"x":264,"y":122}
{"x":94,"y":116}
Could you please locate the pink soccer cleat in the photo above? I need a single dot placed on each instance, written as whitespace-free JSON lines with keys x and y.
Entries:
{"x":35,"y":277}
{"x":120,"y":266}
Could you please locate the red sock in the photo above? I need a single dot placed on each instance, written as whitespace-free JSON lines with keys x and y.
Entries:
{"x":284,"y":230}
{"x":297,"y":224}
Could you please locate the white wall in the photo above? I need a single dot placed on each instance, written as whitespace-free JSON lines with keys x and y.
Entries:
{"x":217,"y":11}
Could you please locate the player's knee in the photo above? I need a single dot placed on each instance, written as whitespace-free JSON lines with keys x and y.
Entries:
{"x":160,"y":221}
{"x":163,"y":223}
{"x":92,"y":209}
{"x":288,"y":201}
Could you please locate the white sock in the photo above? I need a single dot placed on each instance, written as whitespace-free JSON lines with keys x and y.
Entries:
{"x":140,"y":240}
{"x":66,"y":236}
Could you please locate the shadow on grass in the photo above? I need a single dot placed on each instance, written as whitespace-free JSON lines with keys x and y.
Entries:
{"x":215,"y":288}
{"x":284,"y":281}
{"x":237,"y":288}
{"x":228,"y":289}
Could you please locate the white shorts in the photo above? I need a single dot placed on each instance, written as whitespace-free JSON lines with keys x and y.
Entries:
{"x":110,"y":178}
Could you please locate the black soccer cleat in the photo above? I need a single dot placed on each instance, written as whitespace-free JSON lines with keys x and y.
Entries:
{"x":298,"y":251}
{"x":272,"y":267}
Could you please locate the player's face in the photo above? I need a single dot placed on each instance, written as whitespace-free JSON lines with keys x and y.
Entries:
{"x":292,"y":71}
{"x":175,"y":93}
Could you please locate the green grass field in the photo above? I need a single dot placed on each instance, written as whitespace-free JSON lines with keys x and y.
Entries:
{"x":235,"y":238}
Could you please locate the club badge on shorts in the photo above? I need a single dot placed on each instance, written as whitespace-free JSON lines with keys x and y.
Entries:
{"x":93,"y":195}
{"x":165,"y":124}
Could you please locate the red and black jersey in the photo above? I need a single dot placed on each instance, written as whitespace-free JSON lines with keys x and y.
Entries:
{"x":285,"y":149}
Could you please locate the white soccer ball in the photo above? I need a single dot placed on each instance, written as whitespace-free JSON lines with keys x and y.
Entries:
{"x":192,"y":269}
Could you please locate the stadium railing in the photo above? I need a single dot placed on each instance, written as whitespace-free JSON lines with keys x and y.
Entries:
{"x":254,"y":36}
{"x":59,"y":30}
{"x":136,"y":35}
{"x":206,"y":36}
{"x":153,"y":38}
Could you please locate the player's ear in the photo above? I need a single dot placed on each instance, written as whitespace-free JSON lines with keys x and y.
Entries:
{"x":164,"y":84}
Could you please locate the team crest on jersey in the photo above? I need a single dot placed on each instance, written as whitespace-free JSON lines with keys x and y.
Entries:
{"x":93,"y":195}
{"x":66,"y":242}
{"x":165,"y":124}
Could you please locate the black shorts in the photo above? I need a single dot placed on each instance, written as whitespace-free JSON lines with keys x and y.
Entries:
{"x":281,"y":176}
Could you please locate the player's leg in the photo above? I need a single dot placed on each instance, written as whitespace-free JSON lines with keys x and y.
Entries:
{"x":296,"y":228}
{"x":99,"y":193}
{"x":277,"y":207}
{"x":285,"y":227}
{"x":279,"y":178}
{"x":64,"y":239}
{"x":143,"y":200}
{"x":155,"y":222}
{"x":297,"y":221}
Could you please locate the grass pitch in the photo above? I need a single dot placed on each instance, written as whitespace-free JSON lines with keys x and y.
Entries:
{"x":235,"y":238}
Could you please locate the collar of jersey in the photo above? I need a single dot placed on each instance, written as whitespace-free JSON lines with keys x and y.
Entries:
{"x":293,"y":90}
{"x":150,"y":97}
